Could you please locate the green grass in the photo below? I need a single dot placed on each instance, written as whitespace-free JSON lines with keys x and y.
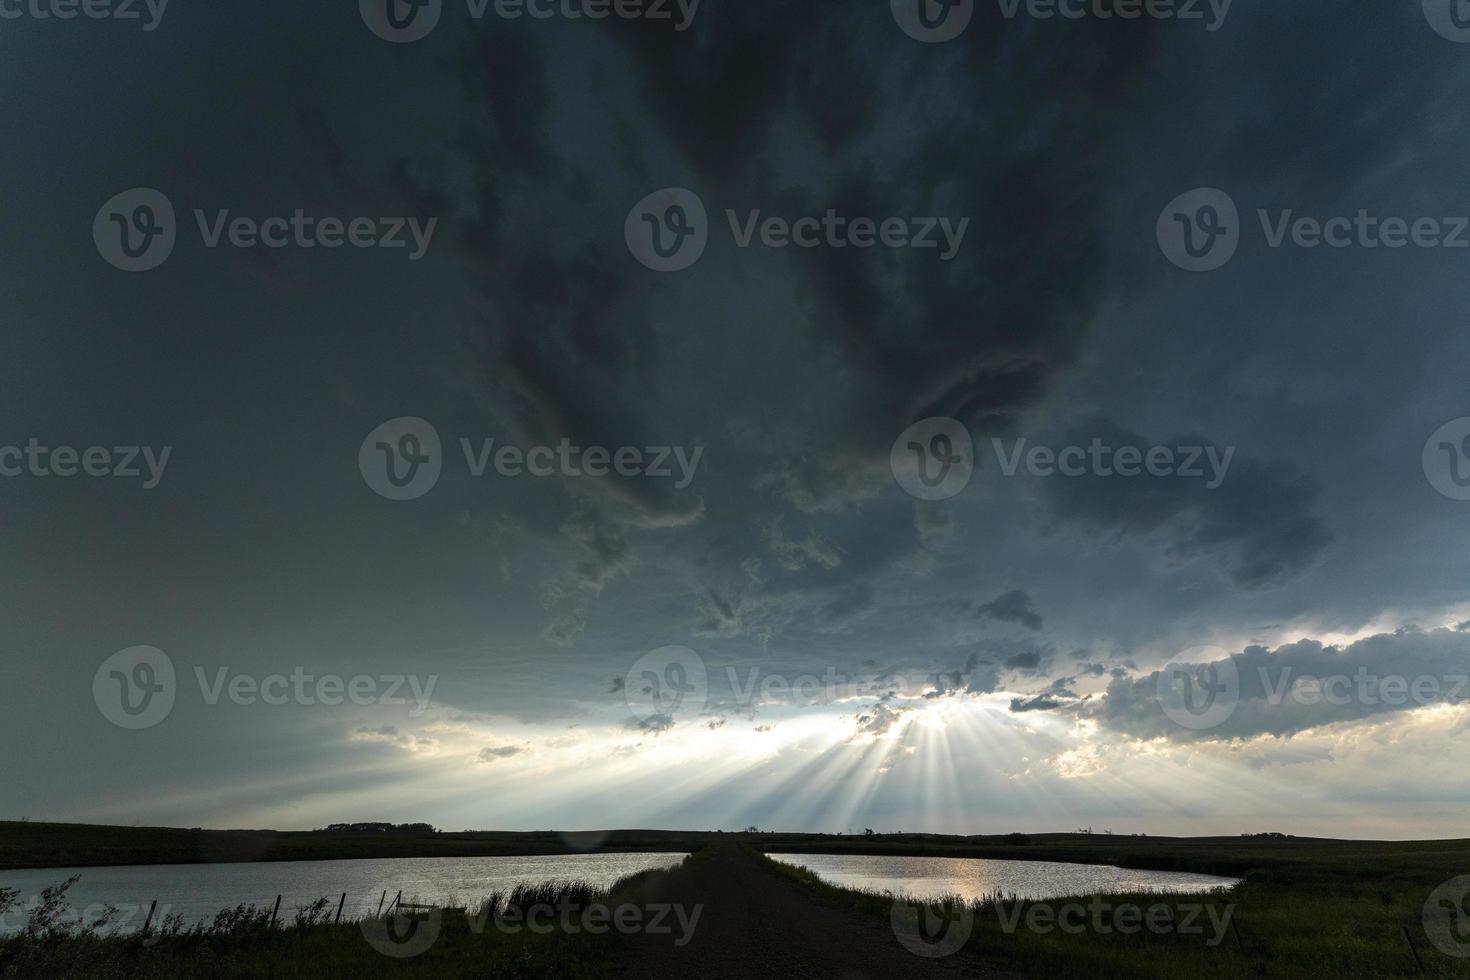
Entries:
{"x":1329,"y":913}
{"x":1307,"y":908}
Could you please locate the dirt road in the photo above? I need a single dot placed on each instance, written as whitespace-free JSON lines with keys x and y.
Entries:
{"x":756,"y":924}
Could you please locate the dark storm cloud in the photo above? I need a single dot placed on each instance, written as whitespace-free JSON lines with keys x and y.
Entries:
{"x":851,"y":600}
{"x":574,"y":340}
{"x":975,"y":338}
{"x":1014,"y":606}
{"x":1258,"y":523}
{"x":1306,"y":685}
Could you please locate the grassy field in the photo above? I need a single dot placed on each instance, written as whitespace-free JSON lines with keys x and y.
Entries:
{"x":1306,"y":909}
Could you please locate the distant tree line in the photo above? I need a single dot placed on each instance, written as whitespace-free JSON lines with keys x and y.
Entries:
{"x":381,"y":828}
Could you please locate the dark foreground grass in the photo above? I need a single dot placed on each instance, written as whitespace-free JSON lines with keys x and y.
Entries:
{"x":1306,"y":909}
{"x":1292,"y":919}
{"x":488,"y":940}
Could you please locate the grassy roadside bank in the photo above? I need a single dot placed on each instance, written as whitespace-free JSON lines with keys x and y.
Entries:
{"x":1335,"y":913}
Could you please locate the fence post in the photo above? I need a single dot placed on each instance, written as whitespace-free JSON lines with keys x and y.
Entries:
{"x":149,"y":921}
{"x":275,"y":910}
{"x":381,"y":900}
{"x":1412,"y":948}
{"x":339,"y":909}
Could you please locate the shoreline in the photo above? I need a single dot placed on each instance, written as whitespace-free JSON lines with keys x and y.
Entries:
{"x":26,"y":845}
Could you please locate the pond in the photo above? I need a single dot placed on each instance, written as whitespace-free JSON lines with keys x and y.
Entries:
{"x":975,"y":878}
{"x":198,"y":891}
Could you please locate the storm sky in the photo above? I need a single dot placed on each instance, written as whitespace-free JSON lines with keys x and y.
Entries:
{"x":996,"y":653}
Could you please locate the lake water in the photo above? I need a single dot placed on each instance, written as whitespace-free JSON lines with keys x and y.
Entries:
{"x":974,"y":878}
{"x":198,"y":891}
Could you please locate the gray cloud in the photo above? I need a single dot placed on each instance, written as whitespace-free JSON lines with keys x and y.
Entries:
{"x":1012,"y":607}
{"x":1258,"y":524}
{"x":1377,"y":676}
{"x":500,"y":752}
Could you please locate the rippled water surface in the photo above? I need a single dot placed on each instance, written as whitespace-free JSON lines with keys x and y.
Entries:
{"x":197,"y":891}
{"x":974,"y":878}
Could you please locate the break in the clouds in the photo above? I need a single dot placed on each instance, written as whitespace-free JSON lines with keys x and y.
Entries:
{"x":1005,"y":640}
